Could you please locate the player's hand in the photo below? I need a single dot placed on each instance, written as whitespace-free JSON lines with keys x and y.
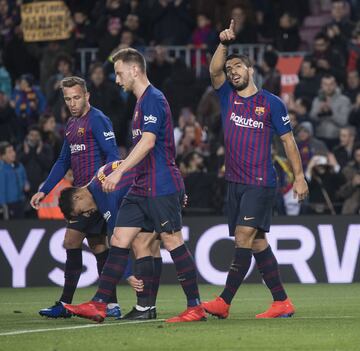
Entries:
{"x":35,"y":200}
{"x":228,"y":34}
{"x":110,"y":181}
{"x":136,"y":284}
{"x":300,"y":189}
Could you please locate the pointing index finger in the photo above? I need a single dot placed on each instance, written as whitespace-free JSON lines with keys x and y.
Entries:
{"x":232,"y":24}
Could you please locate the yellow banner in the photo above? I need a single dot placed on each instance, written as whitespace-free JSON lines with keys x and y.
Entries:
{"x":45,"y":20}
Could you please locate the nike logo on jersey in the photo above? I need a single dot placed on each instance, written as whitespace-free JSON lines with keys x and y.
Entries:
{"x":162,"y":224}
{"x":248,"y":218}
{"x":238,"y":103}
{"x":67,"y":133}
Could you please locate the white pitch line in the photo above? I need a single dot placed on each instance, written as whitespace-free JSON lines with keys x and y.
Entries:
{"x":29,"y":331}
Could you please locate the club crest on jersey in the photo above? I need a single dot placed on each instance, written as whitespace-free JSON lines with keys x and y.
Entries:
{"x":259,"y":110}
{"x":81,"y":132}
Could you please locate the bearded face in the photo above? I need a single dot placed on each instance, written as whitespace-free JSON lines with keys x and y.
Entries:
{"x":237,"y":73}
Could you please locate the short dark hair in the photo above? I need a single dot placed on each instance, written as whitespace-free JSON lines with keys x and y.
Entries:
{"x":243,"y":58}
{"x":3,"y":146}
{"x":95,"y":66}
{"x":70,"y":82}
{"x":321,"y":35}
{"x":130,"y":55}
{"x":328,"y":76}
{"x":66,"y":201}
{"x":306,"y":102}
{"x":34,"y":127}
{"x":271,"y":58}
{"x":311,"y":61}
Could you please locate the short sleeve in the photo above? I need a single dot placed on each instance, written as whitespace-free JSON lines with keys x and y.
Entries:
{"x":279,"y":116}
{"x":154,"y":114}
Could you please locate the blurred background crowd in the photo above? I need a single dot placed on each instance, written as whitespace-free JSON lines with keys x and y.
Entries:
{"x":324,"y":108}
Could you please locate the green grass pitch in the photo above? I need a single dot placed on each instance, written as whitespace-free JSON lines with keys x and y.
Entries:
{"x":327,"y":318}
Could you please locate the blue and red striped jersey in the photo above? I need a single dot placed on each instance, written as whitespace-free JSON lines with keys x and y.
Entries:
{"x":157,"y":174}
{"x":249,"y":125}
{"x":88,"y":144}
{"x":108,"y":204}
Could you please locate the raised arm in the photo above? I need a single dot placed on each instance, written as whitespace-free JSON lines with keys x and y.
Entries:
{"x":217,"y":63}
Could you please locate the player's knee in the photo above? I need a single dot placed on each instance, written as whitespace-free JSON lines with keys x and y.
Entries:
{"x":171,"y":241}
{"x":72,"y":243}
{"x":259,"y":245}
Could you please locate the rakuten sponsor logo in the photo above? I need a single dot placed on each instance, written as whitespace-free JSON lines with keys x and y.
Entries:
{"x":241,"y":121}
{"x":74,"y":148}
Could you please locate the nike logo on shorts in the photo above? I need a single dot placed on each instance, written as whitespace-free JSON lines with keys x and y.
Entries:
{"x":162,"y":224}
{"x":248,"y":218}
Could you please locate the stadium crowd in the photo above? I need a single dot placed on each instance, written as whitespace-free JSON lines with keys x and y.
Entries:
{"x":324,"y":109}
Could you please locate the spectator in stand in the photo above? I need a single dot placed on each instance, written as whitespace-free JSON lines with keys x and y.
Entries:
{"x":172,"y":22}
{"x":287,"y":37}
{"x":28,"y":101}
{"x":132,"y":23}
{"x":324,"y":182}
{"x":198,"y":182}
{"x":354,"y":117}
{"x":63,"y":68}
{"x":340,"y":28}
{"x":49,"y":207}
{"x":105,"y":10}
{"x":245,"y":29}
{"x":186,"y":118}
{"x":36,"y":157}
{"x":83,"y":31}
{"x":204,"y":37}
{"x":302,"y":108}
{"x":19,"y":64}
{"x":353,"y":85}
{"x":5,"y":79}
{"x":128,"y":39}
{"x":191,"y":136}
{"x":13,"y":182}
{"x":344,"y":151}
{"x":271,"y":76}
{"x":110,"y":38}
{"x":160,"y":66}
{"x":309,"y":83}
{"x":49,"y":134}
{"x":330,"y":111}
{"x":350,"y":191}
{"x":307,"y":144}
{"x":8,"y":121}
{"x":353,"y":63}
{"x":209,"y":112}
{"x":9,"y":18}
{"x":328,"y":60}
{"x":181,"y":87}
{"x":105,"y":96}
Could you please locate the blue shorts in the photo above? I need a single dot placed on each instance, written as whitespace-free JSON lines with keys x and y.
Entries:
{"x":94,"y":225}
{"x":250,"y":206}
{"x":160,"y":214}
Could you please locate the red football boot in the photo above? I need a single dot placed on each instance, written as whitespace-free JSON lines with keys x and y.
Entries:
{"x":191,"y":314}
{"x":217,"y":307}
{"x":96,"y":311}
{"x":279,"y":309}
